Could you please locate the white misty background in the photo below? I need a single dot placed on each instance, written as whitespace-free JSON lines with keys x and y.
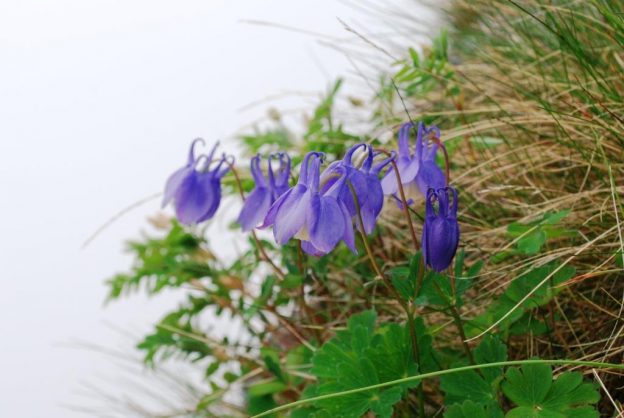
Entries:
{"x":99,"y":100}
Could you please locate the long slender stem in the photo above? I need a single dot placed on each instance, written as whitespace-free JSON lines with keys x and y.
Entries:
{"x":264,"y":255}
{"x":417,"y":378}
{"x":460,"y":328}
{"x":403,"y":199}
{"x":457,"y":321}
{"x":447,"y":167}
{"x":410,"y":317}
{"x":457,"y":318}
{"x":416,"y":354}
{"x":304,"y":306}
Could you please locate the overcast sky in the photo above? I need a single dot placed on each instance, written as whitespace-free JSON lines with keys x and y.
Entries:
{"x":98,"y":102}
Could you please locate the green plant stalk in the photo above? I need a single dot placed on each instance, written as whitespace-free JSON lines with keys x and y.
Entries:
{"x":462,"y":334}
{"x":403,"y":199}
{"x":457,"y":320}
{"x":264,"y":255}
{"x":410,"y":317}
{"x":593,"y":364}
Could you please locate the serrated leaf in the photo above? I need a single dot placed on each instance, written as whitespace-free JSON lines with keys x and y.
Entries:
{"x":404,"y":278}
{"x":435,"y":290}
{"x":470,"y":409}
{"x":361,"y":356}
{"x":491,"y":350}
{"x":537,"y":395}
{"x":470,"y":385}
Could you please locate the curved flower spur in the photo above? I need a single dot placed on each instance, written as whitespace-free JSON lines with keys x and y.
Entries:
{"x":266,"y":190}
{"x":196,"y":190}
{"x":440,"y":235}
{"x":418,"y":170}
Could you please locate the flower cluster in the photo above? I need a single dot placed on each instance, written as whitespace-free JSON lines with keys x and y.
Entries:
{"x":321,"y":209}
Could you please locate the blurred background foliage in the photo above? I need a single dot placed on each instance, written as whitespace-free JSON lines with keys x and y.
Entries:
{"x":530,"y":97}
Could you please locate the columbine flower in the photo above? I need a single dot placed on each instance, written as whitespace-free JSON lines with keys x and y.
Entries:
{"x":265,"y":192}
{"x":418,"y":170}
{"x":371,"y":208}
{"x":440,"y":232}
{"x":365,"y":183}
{"x":352,"y":175}
{"x":195,"y":190}
{"x":319,"y":220}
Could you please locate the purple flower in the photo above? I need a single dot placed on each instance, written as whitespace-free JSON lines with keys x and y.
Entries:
{"x":352,"y":175}
{"x":265,"y":192}
{"x":365,"y":182}
{"x":418,"y":170}
{"x":319,"y":220}
{"x":196,"y":190}
{"x":441,"y":231}
{"x":371,"y":208}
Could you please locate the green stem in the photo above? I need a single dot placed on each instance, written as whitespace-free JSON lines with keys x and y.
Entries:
{"x":462,"y":334}
{"x":457,"y":321}
{"x":403,"y":199}
{"x":592,"y":364}
{"x":457,"y":318}
{"x":410,"y":317}
{"x":416,"y":353}
{"x":263,"y":255}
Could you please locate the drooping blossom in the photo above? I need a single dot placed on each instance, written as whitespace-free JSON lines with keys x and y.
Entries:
{"x":364,"y":179}
{"x":266,"y":190}
{"x":353,"y":176}
{"x":319,"y":220}
{"x":441,"y":231}
{"x":418,"y":170}
{"x":371,"y":208}
{"x":195,"y":189}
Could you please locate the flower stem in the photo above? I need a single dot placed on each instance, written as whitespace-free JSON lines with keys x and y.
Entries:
{"x":447,"y":167}
{"x":403,"y":199}
{"x":456,"y":320}
{"x":264,"y":255}
{"x":410,"y":316}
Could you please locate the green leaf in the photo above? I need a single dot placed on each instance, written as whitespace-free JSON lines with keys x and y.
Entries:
{"x":470,"y":409}
{"x":266,"y":388}
{"x":554,"y":217}
{"x":470,"y":385}
{"x":404,"y":278}
{"x":532,"y":243}
{"x":258,"y":404}
{"x":619,"y":259}
{"x":400,"y":277}
{"x":292,"y":281}
{"x":534,"y":234}
{"x":517,"y":290}
{"x":365,"y":355}
{"x":435,"y":290}
{"x":536,"y":394}
{"x":272,"y":362}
